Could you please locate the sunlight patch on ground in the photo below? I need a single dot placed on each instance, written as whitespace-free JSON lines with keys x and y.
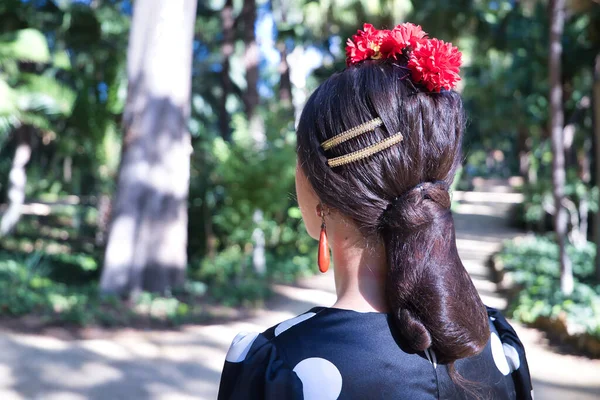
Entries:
{"x":89,"y":374}
{"x":484,"y":285}
{"x":107,"y":349}
{"x":144,"y":349}
{"x":41,"y":342}
{"x":471,"y":245}
{"x":6,"y":376}
{"x":472,"y":256}
{"x":488,"y":197}
{"x":64,"y":396}
{"x":160,"y":391}
{"x":10,"y":395}
{"x":496,"y":302}
{"x":478,"y":209}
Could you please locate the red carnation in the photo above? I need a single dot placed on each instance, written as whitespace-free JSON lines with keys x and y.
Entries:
{"x":402,"y":36}
{"x":365,"y":44}
{"x":435,"y":64}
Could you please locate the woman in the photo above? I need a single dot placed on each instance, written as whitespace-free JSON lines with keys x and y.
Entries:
{"x":378,"y":146}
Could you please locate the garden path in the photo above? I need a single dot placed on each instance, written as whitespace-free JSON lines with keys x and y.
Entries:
{"x":186,"y":364}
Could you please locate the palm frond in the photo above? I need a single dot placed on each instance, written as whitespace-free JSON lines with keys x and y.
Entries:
{"x":24,"y":45}
{"x":44,"y":94}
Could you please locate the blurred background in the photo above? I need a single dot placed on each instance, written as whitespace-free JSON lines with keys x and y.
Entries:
{"x":147,"y":160}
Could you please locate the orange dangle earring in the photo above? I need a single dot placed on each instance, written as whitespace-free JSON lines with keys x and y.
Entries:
{"x":323,"y":255}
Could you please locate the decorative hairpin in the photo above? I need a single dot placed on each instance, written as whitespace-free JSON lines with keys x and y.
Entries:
{"x":366,"y":152}
{"x":351,"y":133}
{"x":433,"y":63}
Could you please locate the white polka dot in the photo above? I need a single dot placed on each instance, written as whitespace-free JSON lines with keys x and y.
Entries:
{"x":321,"y":380}
{"x":512,"y":356}
{"x":498,"y":354}
{"x":240,"y":346}
{"x":492,"y":319}
{"x":285,"y":325}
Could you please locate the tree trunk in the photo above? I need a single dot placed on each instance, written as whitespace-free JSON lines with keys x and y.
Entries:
{"x":17,"y":180}
{"x":147,"y":240}
{"x":596,"y":124}
{"x":251,"y":58}
{"x":586,"y":177}
{"x":524,"y":151}
{"x":525,"y":165}
{"x":227,"y":22}
{"x":250,"y":96}
{"x":104,"y":206}
{"x":285,"y":81}
{"x":257,"y":129}
{"x":557,"y":21}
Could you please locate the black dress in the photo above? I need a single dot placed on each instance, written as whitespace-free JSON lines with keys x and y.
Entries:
{"x":329,"y":353}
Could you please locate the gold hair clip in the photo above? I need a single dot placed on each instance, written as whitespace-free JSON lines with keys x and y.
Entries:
{"x":366,"y":152}
{"x":351,"y":133}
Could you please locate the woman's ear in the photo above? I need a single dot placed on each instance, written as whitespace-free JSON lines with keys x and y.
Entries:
{"x":308,"y":203}
{"x":319,"y":209}
{"x":322,"y":210}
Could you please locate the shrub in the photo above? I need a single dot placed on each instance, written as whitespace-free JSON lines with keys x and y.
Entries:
{"x":533,"y":262}
{"x":27,"y":288}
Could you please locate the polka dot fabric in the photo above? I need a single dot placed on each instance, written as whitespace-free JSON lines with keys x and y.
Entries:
{"x":240,"y":346}
{"x":321,"y":380}
{"x":328,"y":354}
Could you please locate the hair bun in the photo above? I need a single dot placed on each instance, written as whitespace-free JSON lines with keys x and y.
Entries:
{"x":417,"y":206}
{"x":413,"y":330}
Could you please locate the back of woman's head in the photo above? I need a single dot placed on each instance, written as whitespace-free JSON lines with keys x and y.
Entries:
{"x":400,"y":196}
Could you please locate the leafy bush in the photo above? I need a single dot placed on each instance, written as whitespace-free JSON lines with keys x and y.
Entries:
{"x":239,"y":181}
{"x":230,"y":278}
{"x":533,"y":262}
{"x":531,"y":256}
{"x":27,"y":288}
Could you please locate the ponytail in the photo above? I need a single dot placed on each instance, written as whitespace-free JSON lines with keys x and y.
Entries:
{"x":431,"y":296}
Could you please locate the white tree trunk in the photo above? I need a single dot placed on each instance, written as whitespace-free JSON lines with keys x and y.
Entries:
{"x":256,"y":124}
{"x":17,"y":181}
{"x":557,"y":21}
{"x":147,"y":240}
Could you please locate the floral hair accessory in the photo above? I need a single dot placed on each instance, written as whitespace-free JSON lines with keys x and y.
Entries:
{"x":432,"y":63}
{"x":364,"y":45}
{"x":436,"y":64}
{"x":400,"y":38}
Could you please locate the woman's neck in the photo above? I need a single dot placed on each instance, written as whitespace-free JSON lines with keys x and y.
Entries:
{"x":359,"y":277}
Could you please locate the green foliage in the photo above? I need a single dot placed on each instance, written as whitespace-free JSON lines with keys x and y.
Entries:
{"x":243,"y":178}
{"x":28,"y":98}
{"x":24,"y":45}
{"x":62,"y":71}
{"x":538,"y":203}
{"x":533,"y":263}
{"x":544,"y":250}
{"x":27,"y":288}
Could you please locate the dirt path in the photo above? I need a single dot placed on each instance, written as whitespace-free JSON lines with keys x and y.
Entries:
{"x":186,"y":364}
{"x":481,"y":228}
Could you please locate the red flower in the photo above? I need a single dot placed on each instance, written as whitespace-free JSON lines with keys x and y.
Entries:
{"x":365,"y":44}
{"x":402,"y":36}
{"x":435,"y":64}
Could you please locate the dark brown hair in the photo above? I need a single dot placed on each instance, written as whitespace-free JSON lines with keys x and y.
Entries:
{"x":400,"y":196}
